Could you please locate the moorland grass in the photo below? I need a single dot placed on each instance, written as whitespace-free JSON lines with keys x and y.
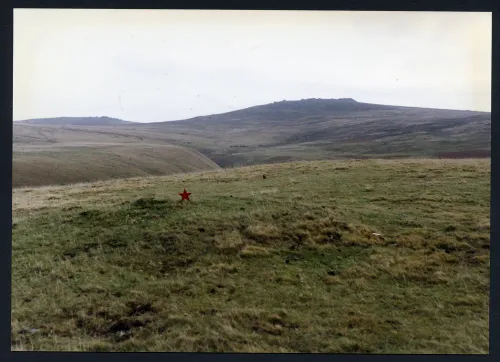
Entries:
{"x":336,"y":257}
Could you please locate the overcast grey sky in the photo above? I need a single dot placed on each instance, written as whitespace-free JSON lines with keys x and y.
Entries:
{"x":161,"y":65}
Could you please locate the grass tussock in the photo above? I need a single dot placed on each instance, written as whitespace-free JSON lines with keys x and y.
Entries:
{"x":371,"y":266}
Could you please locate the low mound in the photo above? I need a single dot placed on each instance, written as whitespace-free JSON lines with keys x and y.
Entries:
{"x":73,"y":164}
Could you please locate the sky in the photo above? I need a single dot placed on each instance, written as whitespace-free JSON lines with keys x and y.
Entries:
{"x":163,"y":65}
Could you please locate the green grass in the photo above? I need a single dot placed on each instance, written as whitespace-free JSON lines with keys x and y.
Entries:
{"x":289,"y":263}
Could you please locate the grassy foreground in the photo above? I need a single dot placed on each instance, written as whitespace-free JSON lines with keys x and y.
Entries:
{"x":290,"y":263}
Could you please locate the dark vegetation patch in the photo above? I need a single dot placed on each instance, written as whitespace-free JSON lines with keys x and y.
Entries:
{"x":83,"y":249}
{"x":92,"y":215}
{"x":136,"y":308}
{"x":450,"y":228}
{"x":71,"y":208}
{"x":466,"y":154}
{"x":151,"y":204}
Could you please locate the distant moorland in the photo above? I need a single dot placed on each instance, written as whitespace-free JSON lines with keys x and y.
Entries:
{"x":94,"y":148}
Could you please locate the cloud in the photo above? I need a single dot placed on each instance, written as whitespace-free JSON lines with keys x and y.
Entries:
{"x":165,"y":65}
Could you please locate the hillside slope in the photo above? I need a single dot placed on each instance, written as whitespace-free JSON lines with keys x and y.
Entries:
{"x":329,"y":128}
{"x":364,"y":256}
{"x":82,"y":121}
{"x":313,"y":129}
{"x":54,"y":155}
{"x":101,"y":162}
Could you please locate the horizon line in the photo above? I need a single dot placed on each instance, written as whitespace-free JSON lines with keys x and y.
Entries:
{"x":257,"y":105}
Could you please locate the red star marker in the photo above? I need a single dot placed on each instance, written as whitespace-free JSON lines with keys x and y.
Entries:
{"x":185,"y":195}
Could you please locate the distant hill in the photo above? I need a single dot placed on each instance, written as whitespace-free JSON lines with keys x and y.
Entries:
{"x":310,"y":129}
{"x":305,"y":108}
{"x":80,"y":121}
{"x":286,"y":110}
